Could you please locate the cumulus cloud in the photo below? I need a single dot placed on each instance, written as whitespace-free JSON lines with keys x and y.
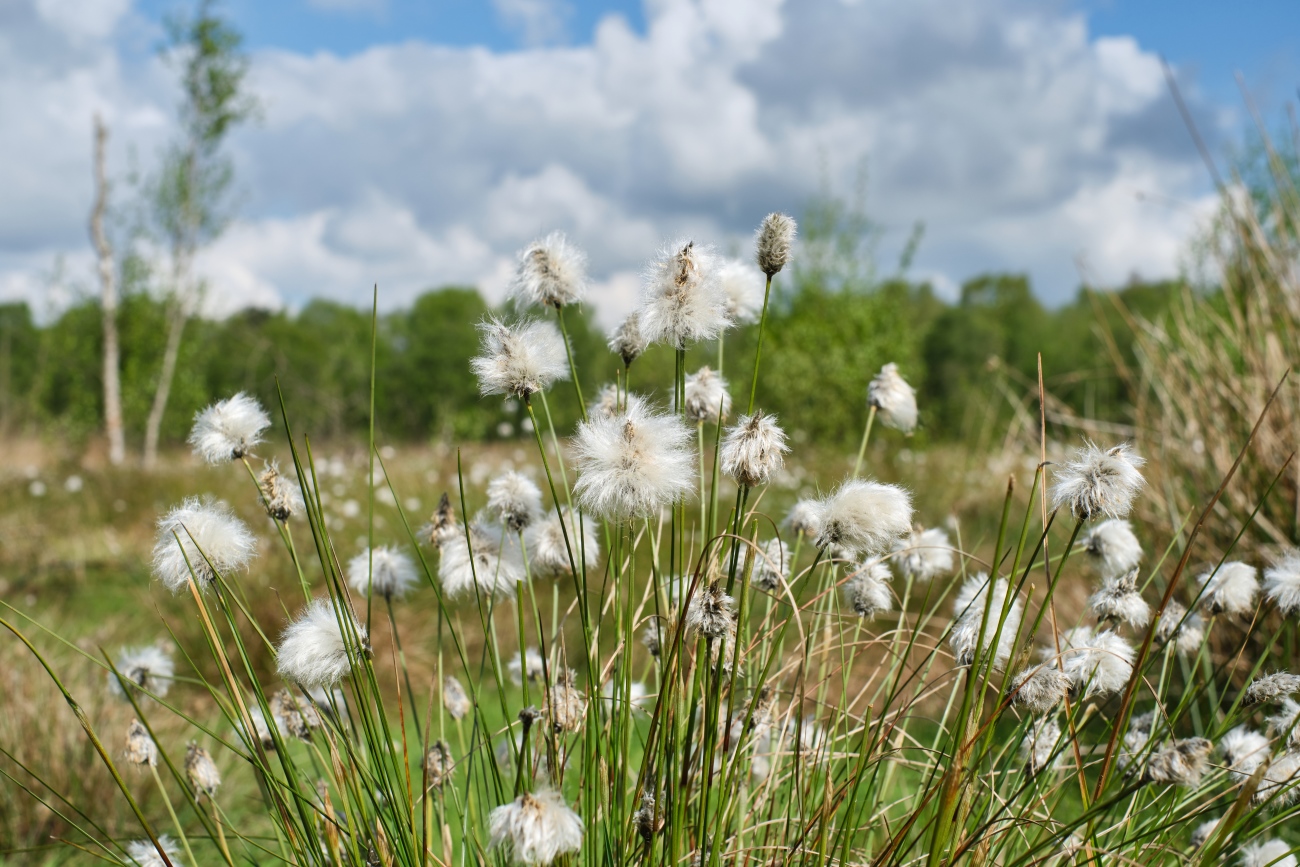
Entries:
{"x":1021,"y":140}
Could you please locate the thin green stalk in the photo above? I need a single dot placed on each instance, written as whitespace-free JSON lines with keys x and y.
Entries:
{"x":866,"y":435}
{"x":758,"y":350}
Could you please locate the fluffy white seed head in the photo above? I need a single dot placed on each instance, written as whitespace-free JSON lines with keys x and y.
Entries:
{"x":228,"y":429}
{"x":754,"y":449}
{"x":1283,"y":724}
{"x":1099,"y":482}
{"x":633,"y":464}
{"x":192,"y":530}
{"x":454,"y":699}
{"x":610,"y":402}
{"x":315,"y":649}
{"x":566,"y":705}
{"x":1097,"y":663}
{"x":202,"y":772}
{"x":519,"y":360}
{"x":280,"y":495}
{"x":514,"y":499}
{"x":551,"y":272}
{"x":530,"y":664}
{"x":868,"y":592}
{"x":489,"y":563}
{"x":1118,"y":599}
{"x":1039,"y":689}
{"x":742,"y":284}
{"x":148,"y":668}
{"x":143,"y":853}
{"x":972,"y":632}
{"x":804,"y":519}
{"x":627,"y":340}
{"x":1040,"y":747}
{"x":893,"y":398}
{"x":1271,"y":687}
{"x":548,"y":555}
{"x":1136,"y":740}
{"x":707,"y":398}
{"x":1113,"y":547}
{"x":1184,"y":629}
{"x":1231,"y":589}
{"x":1282,"y":582}
{"x":1280,"y":785}
{"x":864,"y":517}
{"x":682,"y":299}
{"x":140,"y":747}
{"x":771,"y":568}
{"x":773,"y":241}
{"x":1181,"y":763}
{"x":388,"y":571}
{"x":1270,"y":853}
{"x":1243,"y":751}
{"x":1201,"y":833}
{"x":711,"y":613}
{"x":536,"y":828}
{"x":924,"y":554}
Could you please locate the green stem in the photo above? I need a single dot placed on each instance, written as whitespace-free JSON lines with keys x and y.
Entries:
{"x":866,"y":435}
{"x":573,"y":368}
{"x":758,"y":351}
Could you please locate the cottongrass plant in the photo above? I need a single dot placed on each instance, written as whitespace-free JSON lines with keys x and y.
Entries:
{"x":600,"y":673}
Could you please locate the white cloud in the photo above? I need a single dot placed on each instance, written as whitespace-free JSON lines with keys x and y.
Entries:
{"x":1021,"y":141}
{"x":538,"y":22}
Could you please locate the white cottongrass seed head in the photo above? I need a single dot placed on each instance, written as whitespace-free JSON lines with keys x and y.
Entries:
{"x":1269,"y":853}
{"x":454,"y":698}
{"x":1201,"y":833}
{"x":804,"y":519}
{"x":536,"y":827}
{"x":1282,"y":582}
{"x":140,"y":747}
{"x":1284,"y":722}
{"x":148,"y":668}
{"x":566,"y":705}
{"x":627,"y":341}
{"x":633,"y":464}
{"x":1230,"y":589}
{"x":971,"y":633}
{"x":514,"y":500}
{"x":317,"y":648}
{"x":1113,"y":547}
{"x":1185,"y":630}
{"x":228,"y":429}
{"x":1097,"y":663}
{"x":1243,"y":751}
{"x":1181,"y":763}
{"x":488,"y":563}
{"x":1118,"y":599}
{"x":202,"y":772}
{"x":519,"y":360}
{"x":610,"y":401}
{"x":682,"y":300}
{"x":1099,"y":482}
{"x":192,"y":530}
{"x":551,"y":272}
{"x":1039,"y":689}
{"x":280,"y":495}
{"x":143,"y":853}
{"x":530,"y":663}
{"x":771,"y":568}
{"x":1280,"y":785}
{"x":1040,"y":748}
{"x":924,"y":554}
{"x":707,"y":398}
{"x":868,"y":592}
{"x":864,"y":517}
{"x":754,"y":450}
{"x":893,"y":398}
{"x":1271,"y":688}
{"x":773,"y":241}
{"x":711,"y":612}
{"x":548,"y":554}
{"x":743,"y":286}
{"x":387,"y":571}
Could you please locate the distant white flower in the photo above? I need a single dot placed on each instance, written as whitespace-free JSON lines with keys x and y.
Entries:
{"x":150,"y":668}
{"x":868,"y":592}
{"x":1097,"y":663}
{"x":1136,"y":740}
{"x":228,"y":429}
{"x":753,"y":450}
{"x":537,"y":828}
{"x":1113,"y":546}
{"x":893,"y":398}
{"x":314,"y":651}
{"x":454,"y":699}
{"x":514,"y":500}
{"x":1243,"y":751}
{"x":771,"y":567}
{"x":388,"y":570}
{"x":144,"y":853}
{"x":281,"y":496}
{"x":140,"y":747}
{"x":609,"y":402}
{"x":1280,"y":785}
{"x":924,"y":554}
{"x":633,"y":464}
{"x":1231,"y":589}
{"x":202,"y":772}
{"x":627,"y":341}
{"x":864,"y":517}
{"x":682,"y":299}
{"x":203,"y":536}
{"x":1270,"y":853}
{"x":548,"y":556}
{"x":493,"y":567}
{"x":971,"y":633}
{"x":550,"y":273}
{"x":1041,"y":746}
{"x":1118,"y":599}
{"x":804,"y":519}
{"x":437,"y":764}
{"x":743,"y":286}
{"x":519,"y":360}
{"x":707,"y":398}
{"x":443,"y":527}
{"x":773,"y":241}
{"x":1271,"y":687}
{"x":530,"y":663}
{"x":1184,"y":629}
{"x":1039,"y":688}
{"x":1181,"y":763}
{"x":1282,"y":582}
{"x":1099,"y":482}
{"x":1202,"y":832}
{"x":1284,"y":722}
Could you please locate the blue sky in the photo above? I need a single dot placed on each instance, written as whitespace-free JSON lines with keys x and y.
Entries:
{"x":418,"y":144}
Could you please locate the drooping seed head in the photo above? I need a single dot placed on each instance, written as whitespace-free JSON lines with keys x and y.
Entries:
{"x":316,"y":650}
{"x":924,"y":554}
{"x":894,"y":399}
{"x":868,"y":592}
{"x":1118,"y":599}
{"x":1113,"y":547}
{"x":514,"y":500}
{"x":536,"y":828}
{"x":202,"y":536}
{"x":566,"y":705}
{"x":1243,"y":751}
{"x":1041,"y":749}
{"x":487,"y":564}
{"x":548,"y":553}
{"x":1097,"y":663}
{"x":146,"y":671}
{"x":280,"y":495}
{"x":972,"y":631}
{"x":1186,"y":630}
{"x":771,"y":567}
{"x":140,"y":747}
{"x":1182,"y":763}
{"x":1270,"y":688}
{"x":1230,"y":589}
{"x":1039,"y":689}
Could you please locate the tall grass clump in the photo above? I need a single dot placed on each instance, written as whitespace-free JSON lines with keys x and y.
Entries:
{"x":634,"y":655}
